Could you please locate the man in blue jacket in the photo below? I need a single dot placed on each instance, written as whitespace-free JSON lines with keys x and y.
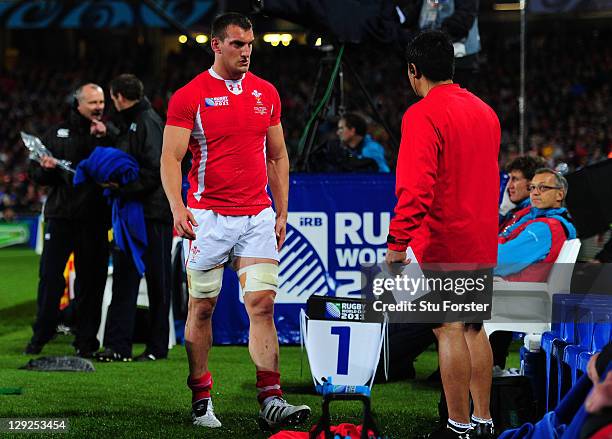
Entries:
{"x":528,"y":248}
{"x":352,"y":130}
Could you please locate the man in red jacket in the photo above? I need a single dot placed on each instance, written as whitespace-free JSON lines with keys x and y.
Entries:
{"x":447,"y":186}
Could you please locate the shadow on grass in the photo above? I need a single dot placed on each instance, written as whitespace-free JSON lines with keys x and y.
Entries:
{"x":17,"y":317}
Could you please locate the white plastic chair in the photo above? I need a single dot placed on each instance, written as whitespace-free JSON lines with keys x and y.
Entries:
{"x":527,"y":306}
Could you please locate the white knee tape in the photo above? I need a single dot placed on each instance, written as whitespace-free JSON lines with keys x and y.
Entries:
{"x":259,"y":277}
{"x":204,"y":284}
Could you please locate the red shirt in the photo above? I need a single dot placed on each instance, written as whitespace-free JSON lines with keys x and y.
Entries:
{"x":447,"y":179}
{"x":228,"y":122}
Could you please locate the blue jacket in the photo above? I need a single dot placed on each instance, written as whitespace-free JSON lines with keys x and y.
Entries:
{"x":566,"y":421}
{"x":531,"y":245}
{"x":129,"y":230}
{"x":371,"y":149}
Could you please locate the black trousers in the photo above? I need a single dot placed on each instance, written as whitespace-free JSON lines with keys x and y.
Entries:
{"x":89,"y":241}
{"x":126,"y":280}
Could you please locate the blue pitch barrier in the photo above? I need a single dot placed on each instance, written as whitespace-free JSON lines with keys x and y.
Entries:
{"x":336,"y":223}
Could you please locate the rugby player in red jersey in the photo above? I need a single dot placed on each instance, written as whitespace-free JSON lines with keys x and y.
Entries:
{"x":230,"y":120}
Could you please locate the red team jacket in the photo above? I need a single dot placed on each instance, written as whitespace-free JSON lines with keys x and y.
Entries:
{"x":447,"y":180}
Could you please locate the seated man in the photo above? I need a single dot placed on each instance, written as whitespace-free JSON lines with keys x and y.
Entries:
{"x":520,"y":170}
{"x":527,"y":248}
{"x":352,"y":130}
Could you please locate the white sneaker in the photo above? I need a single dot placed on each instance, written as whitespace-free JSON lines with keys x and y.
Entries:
{"x":277,"y":412}
{"x":203,"y":414}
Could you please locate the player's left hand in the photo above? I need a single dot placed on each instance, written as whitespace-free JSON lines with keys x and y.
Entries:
{"x":280,"y":228}
{"x":393,"y":256}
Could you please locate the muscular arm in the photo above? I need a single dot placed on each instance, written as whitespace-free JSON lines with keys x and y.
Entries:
{"x":277,"y":162}
{"x":175,"y":144}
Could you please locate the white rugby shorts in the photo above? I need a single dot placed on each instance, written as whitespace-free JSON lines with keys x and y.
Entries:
{"x":219,"y":236}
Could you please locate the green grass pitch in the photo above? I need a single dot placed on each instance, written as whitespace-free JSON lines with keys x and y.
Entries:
{"x":151,"y":400}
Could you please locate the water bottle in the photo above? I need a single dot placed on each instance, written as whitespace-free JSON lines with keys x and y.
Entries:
{"x":328,"y":387}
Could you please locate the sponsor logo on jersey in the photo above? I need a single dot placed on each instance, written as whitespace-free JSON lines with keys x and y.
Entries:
{"x":219,"y":101}
{"x":63,"y":133}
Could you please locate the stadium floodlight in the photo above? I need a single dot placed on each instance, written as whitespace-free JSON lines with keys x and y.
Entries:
{"x":182,"y":39}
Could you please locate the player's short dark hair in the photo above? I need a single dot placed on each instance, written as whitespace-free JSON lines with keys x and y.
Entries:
{"x":527,"y":165}
{"x":221,"y":23}
{"x":128,"y":85}
{"x":354,"y":120}
{"x":433,"y":55}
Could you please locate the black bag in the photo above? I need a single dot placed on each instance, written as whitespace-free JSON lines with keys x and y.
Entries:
{"x":512,"y":403}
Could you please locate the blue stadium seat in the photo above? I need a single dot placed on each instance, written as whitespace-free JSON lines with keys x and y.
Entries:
{"x":583,"y":339}
{"x":602,"y":335}
{"x":554,"y":342}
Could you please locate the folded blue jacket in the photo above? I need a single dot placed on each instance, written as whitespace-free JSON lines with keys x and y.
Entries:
{"x":112,"y":165}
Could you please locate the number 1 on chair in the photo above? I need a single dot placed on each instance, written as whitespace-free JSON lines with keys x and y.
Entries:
{"x":344,"y":341}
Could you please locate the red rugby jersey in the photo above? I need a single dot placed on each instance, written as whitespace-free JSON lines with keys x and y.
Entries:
{"x":228,"y":121}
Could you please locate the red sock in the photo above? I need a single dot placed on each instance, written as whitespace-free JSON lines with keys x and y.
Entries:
{"x":268,"y":384}
{"x":200,"y":387}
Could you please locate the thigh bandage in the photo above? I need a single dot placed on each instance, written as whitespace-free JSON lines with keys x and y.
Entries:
{"x":204,"y":284}
{"x":259,"y":277}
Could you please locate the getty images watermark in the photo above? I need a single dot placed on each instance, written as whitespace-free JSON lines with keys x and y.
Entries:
{"x":406,"y":285}
{"x":408,"y":294}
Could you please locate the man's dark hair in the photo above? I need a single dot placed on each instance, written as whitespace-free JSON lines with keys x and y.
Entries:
{"x":527,"y":165}
{"x":433,"y":55}
{"x":353,"y":120}
{"x":221,"y":23}
{"x":128,"y":85}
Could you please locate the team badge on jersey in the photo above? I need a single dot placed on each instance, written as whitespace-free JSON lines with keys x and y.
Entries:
{"x":257,"y":97}
{"x":234,"y":86}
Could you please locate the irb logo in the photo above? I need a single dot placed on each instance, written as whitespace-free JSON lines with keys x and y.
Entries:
{"x":310,"y":221}
{"x":303,"y":267}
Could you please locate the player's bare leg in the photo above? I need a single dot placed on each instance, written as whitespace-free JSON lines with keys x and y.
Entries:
{"x":481,"y":379}
{"x":204,"y":287}
{"x":455,"y":369}
{"x":263,"y":339}
{"x":263,"y":342}
{"x":198,"y":334}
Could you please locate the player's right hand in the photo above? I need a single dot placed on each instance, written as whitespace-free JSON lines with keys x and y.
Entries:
{"x":184,"y":222}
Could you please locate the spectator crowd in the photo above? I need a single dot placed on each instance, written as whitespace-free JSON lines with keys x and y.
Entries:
{"x":568,"y":100}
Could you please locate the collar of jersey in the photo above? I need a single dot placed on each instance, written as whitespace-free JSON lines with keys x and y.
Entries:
{"x":217,"y":76}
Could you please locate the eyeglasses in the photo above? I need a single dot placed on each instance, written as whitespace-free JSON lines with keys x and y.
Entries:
{"x":541,"y":188}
